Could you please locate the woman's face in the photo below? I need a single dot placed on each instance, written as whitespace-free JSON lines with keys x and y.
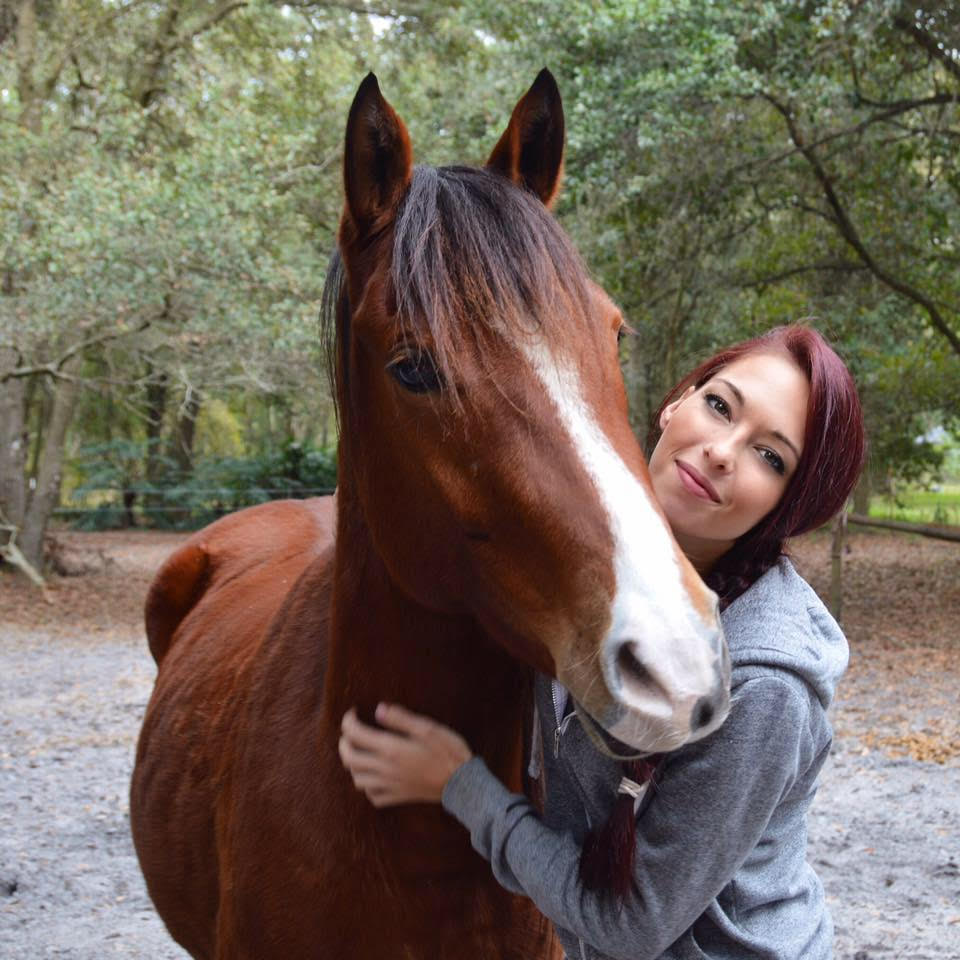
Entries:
{"x":728,"y":450}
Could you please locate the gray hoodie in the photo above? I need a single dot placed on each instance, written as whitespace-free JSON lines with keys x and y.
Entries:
{"x":720,"y":867}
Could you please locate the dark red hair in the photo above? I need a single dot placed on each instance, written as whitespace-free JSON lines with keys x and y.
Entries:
{"x":834,"y":450}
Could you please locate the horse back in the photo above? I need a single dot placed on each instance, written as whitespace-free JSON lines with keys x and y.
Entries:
{"x":283,"y":536}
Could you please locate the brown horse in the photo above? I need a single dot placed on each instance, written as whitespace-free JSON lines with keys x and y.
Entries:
{"x":493,"y":516}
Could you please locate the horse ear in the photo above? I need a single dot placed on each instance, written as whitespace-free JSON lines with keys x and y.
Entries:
{"x":530,"y":152}
{"x":377,"y":157}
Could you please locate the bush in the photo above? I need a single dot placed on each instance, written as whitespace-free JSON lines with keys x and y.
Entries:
{"x":214,"y":488}
{"x":221,"y":486}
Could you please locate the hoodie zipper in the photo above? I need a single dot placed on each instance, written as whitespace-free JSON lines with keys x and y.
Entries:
{"x":558,"y":731}
{"x":561,"y":720}
{"x":554,"y":696}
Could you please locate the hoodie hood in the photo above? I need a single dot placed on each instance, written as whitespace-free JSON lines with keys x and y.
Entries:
{"x":781,"y":622}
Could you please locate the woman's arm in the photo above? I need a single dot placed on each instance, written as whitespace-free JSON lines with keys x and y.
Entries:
{"x":709,"y":810}
{"x":707,"y":814}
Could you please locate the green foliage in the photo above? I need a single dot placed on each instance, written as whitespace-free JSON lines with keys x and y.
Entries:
{"x":734,"y":166}
{"x":113,"y":496}
{"x":295,"y":471}
{"x":919,"y":505}
{"x":220,"y":486}
{"x":170,"y":190}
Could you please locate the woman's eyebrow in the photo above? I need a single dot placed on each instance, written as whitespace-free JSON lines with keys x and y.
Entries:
{"x":733,"y":389}
{"x":774,"y":433}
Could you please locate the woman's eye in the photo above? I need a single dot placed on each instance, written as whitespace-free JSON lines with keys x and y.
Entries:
{"x":718,"y":404}
{"x":621,"y":333}
{"x":774,"y":459}
{"x":416,"y":373}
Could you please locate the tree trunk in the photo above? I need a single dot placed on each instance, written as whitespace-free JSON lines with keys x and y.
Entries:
{"x":26,"y":54}
{"x":861,"y":495}
{"x":156,"y":390}
{"x":13,"y":443}
{"x":37,"y":409}
{"x":46,"y":496}
{"x":181,"y":443}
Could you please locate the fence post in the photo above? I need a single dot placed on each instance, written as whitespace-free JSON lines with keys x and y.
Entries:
{"x":839,"y":529}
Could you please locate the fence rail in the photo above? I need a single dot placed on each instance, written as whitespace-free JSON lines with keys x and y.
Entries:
{"x":179,"y":508}
{"x":173,"y":499}
{"x":225,"y":499}
{"x":935,"y":531}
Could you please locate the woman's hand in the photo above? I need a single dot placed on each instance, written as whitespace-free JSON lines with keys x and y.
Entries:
{"x":408,"y":762}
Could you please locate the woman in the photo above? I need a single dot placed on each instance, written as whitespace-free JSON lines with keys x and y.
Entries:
{"x":760,"y":443}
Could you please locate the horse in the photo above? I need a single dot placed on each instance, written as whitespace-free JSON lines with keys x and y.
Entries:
{"x":493,"y":517}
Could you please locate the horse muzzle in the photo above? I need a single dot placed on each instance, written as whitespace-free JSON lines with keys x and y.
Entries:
{"x":661,"y":703}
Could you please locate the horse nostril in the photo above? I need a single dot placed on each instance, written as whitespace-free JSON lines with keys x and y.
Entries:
{"x":630,"y":666}
{"x":635,"y":675}
{"x":703,"y":711}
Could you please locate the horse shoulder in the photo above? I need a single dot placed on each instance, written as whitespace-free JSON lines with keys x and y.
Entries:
{"x":246,"y":545}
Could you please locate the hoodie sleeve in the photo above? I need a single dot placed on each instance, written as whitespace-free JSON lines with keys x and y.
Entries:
{"x":710,"y":808}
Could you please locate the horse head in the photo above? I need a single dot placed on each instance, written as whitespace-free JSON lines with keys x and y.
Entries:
{"x":484,"y":430}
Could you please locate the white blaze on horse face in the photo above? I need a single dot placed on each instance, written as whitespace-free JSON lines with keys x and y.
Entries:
{"x":664,"y":665}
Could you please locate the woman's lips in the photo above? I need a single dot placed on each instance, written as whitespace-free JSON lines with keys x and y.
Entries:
{"x":696,"y":482}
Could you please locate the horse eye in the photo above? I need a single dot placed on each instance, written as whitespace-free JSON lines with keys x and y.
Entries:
{"x":416,"y":373}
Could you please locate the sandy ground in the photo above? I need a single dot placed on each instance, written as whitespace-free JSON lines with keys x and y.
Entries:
{"x":75,"y":675}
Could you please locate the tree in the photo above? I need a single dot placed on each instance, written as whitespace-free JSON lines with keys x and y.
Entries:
{"x":736,"y":165}
{"x":152,"y":203}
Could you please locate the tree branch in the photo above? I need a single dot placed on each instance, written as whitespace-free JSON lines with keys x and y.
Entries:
{"x":928,"y":42}
{"x":850,"y":234}
{"x":55,"y":367}
{"x":937,"y":100}
{"x":889,"y":111}
{"x":219,"y":14}
{"x":12,"y":554}
{"x":837,"y":266}
{"x":386,"y":10}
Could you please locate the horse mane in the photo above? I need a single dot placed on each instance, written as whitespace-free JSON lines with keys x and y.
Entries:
{"x":471,"y":252}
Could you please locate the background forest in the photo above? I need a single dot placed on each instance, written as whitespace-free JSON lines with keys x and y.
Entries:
{"x":170,"y":189}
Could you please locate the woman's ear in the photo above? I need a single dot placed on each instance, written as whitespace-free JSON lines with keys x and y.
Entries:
{"x":666,"y":415}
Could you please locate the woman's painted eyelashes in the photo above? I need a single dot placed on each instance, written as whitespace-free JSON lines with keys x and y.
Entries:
{"x":774,"y":459}
{"x":716,"y":403}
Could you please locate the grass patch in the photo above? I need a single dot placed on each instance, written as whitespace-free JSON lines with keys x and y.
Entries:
{"x":916,"y":505}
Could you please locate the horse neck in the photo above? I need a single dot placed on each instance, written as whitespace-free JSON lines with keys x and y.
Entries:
{"x":384,"y":646}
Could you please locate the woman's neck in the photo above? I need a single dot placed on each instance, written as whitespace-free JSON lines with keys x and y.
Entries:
{"x":701,"y":552}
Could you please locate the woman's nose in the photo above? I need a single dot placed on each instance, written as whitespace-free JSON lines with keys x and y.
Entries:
{"x":719,"y":453}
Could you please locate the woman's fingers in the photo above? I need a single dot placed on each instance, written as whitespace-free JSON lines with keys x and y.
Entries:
{"x":357,"y":760}
{"x":367,"y":773}
{"x":409,"y":761}
{"x":364,"y":737}
{"x":394,"y":717}
{"x":421,"y":731}
{"x":380,"y":790}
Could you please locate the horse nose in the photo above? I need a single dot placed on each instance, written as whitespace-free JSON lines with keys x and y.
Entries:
{"x":706,"y":709}
{"x":637,"y":679}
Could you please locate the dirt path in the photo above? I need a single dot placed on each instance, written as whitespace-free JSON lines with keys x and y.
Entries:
{"x":75,"y":676}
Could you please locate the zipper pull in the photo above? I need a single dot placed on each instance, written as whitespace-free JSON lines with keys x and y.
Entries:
{"x":556,"y":743}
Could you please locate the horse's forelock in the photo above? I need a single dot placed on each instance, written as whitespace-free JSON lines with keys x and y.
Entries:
{"x":472,"y":251}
